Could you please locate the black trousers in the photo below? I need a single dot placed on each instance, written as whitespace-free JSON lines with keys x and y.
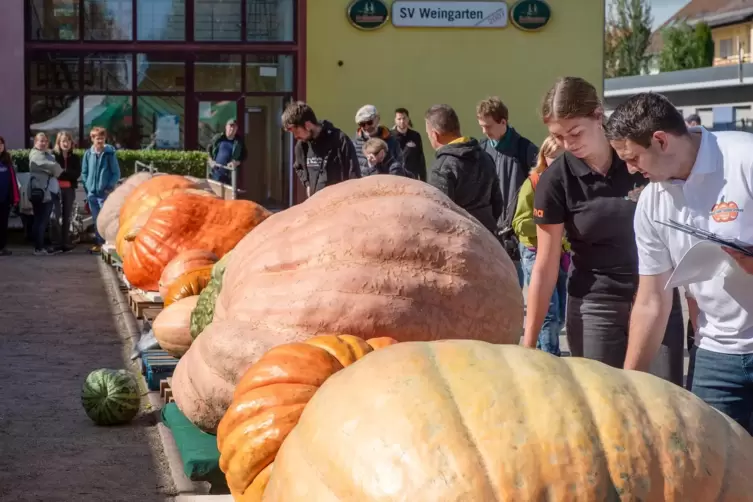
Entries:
{"x":4,"y":215}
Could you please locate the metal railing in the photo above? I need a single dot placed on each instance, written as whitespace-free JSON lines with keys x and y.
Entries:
{"x":140,"y":166}
{"x":222,"y":189}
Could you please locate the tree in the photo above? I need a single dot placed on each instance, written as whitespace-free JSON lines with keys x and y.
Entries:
{"x":686,"y":47}
{"x":628,"y":34}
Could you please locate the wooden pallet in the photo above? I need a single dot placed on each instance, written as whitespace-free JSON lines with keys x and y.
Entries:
{"x":157,"y":365}
{"x":165,"y":390}
{"x":138,"y":303}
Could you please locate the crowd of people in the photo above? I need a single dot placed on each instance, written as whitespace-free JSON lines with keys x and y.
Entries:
{"x":581,"y":217}
{"x":46,"y":201}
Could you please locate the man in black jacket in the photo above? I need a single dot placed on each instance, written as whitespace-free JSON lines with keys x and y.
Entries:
{"x":462,"y":170}
{"x":514,"y":156}
{"x":411,"y":144}
{"x":323,"y":154}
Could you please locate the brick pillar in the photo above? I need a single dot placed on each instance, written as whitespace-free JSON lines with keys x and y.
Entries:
{"x":12,"y":100}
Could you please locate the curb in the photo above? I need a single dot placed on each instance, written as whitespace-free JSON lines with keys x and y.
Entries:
{"x":183,"y":485}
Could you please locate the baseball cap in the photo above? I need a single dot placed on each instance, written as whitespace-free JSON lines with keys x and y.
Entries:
{"x":366,"y":113}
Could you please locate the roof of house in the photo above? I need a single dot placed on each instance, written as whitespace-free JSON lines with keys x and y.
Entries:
{"x":712,"y":11}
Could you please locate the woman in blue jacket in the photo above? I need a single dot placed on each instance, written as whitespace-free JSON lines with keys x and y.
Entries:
{"x":100,"y":173}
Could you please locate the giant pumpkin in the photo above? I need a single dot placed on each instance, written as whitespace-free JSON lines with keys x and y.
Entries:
{"x":380,"y":256}
{"x":172,"y":326}
{"x":108,"y":221}
{"x":185,"y":221}
{"x":186,"y":261}
{"x":466,"y":420}
{"x":139,"y":204}
{"x":269,"y":400}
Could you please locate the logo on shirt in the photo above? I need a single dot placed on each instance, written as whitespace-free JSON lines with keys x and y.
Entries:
{"x":723,"y":211}
{"x":313,"y":162}
{"x":635,"y":193}
{"x":410,"y":144}
{"x":538,"y":213}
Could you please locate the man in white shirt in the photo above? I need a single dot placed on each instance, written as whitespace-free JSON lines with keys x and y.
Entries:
{"x":705,"y":180}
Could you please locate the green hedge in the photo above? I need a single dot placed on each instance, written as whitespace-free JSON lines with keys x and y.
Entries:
{"x":165,"y":161}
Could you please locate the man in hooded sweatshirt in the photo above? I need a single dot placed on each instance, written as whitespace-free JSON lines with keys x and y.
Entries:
{"x":462,"y":169}
{"x":323,"y":155}
{"x":367,"y":119}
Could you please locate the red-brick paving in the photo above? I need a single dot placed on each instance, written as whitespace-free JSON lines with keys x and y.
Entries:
{"x":56,"y":325}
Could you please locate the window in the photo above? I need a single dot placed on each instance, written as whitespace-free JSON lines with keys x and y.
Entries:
{"x":108,"y":19}
{"x":53,"y":20}
{"x":217,"y":20}
{"x":218,"y":72}
{"x":725,"y":48}
{"x":156,"y":73}
{"x":108,"y":72}
{"x":161,"y":122}
{"x":51,"y":114}
{"x":50,"y":71}
{"x":270,"y":20}
{"x":269,"y":73}
{"x":161,"y":20}
{"x":115,"y":114}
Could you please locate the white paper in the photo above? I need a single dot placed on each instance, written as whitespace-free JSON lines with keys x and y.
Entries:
{"x":702,"y":262}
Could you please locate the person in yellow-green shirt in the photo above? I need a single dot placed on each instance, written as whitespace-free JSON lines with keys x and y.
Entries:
{"x":525,"y":229}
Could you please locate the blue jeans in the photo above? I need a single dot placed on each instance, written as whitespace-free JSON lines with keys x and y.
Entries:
{"x":95,"y":206}
{"x":221,"y":174}
{"x":724,"y":381}
{"x":42,"y":212}
{"x":549,"y":336}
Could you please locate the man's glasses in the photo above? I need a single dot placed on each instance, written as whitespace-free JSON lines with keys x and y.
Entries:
{"x":368,"y":123}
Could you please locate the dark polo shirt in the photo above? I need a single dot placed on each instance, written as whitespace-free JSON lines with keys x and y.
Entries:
{"x":597,"y":212}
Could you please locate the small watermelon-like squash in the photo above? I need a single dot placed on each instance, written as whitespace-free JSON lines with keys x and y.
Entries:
{"x":111,"y":397}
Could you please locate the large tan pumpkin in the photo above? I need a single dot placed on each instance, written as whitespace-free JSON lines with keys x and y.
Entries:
{"x":172,"y":326}
{"x":380,"y":256}
{"x":108,"y":221}
{"x":139,"y":204}
{"x":467,"y":420}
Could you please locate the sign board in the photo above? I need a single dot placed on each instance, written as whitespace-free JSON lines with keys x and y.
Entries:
{"x":446,"y":14}
{"x":368,"y":14}
{"x":530,"y":15}
{"x":167,"y":132}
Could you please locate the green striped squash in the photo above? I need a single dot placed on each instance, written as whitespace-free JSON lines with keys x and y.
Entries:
{"x":203,"y":313}
{"x":111,"y":397}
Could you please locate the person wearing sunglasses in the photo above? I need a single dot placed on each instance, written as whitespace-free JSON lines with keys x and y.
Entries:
{"x":367,"y":119}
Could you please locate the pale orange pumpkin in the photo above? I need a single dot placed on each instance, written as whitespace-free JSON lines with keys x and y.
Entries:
{"x":189,"y":284}
{"x":269,"y":400}
{"x":466,"y":420}
{"x":139,"y":204}
{"x":108,"y":221}
{"x":185,"y":261}
{"x":172,"y":326}
{"x":184,"y":221}
{"x":380,"y":256}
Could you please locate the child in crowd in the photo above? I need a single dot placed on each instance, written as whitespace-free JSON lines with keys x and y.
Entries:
{"x":379,"y":160}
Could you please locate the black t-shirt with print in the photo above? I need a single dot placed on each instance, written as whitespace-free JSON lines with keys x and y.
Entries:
{"x":597,"y":212}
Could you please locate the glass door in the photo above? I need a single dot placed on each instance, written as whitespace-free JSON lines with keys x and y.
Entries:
{"x":267,"y":172}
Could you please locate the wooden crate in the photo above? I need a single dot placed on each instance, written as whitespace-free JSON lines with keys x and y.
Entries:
{"x":157,"y":365}
{"x":139,"y":303}
{"x":165,"y":390}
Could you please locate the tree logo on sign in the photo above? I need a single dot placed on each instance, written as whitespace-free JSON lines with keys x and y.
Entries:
{"x":368,"y":14}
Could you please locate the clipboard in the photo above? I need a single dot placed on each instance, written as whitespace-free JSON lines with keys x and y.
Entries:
{"x":705,"y":235}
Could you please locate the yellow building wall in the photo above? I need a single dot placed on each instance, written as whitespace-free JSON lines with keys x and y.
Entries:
{"x":418,"y":67}
{"x":739,"y":33}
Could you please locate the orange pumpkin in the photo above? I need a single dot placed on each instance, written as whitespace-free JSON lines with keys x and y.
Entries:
{"x":467,"y":420}
{"x":724,"y":211}
{"x":269,"y":400}
{"x":186,"y":221}
{"x":108,"y":221}
{"x":184,"y":262}
{"x":189,"y":284}
{"x":379,"y":256}
{"x":172,"y":326}
{"x":139,"y":204}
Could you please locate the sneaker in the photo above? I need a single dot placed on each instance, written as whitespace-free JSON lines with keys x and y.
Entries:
{"x":41,"y":252}
{"x":54,"y":250}
{"x":5,"y":252}
{"x":95,"y":249}
{"x":67,"y":249}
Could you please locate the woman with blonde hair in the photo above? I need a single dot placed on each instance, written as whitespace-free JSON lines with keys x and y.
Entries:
{"x":68,"y":181}
{"x":589,"y":193}
{"x":548,"y":338}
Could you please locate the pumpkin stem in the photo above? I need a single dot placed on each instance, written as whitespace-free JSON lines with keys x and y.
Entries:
{"x":131,"y":236}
